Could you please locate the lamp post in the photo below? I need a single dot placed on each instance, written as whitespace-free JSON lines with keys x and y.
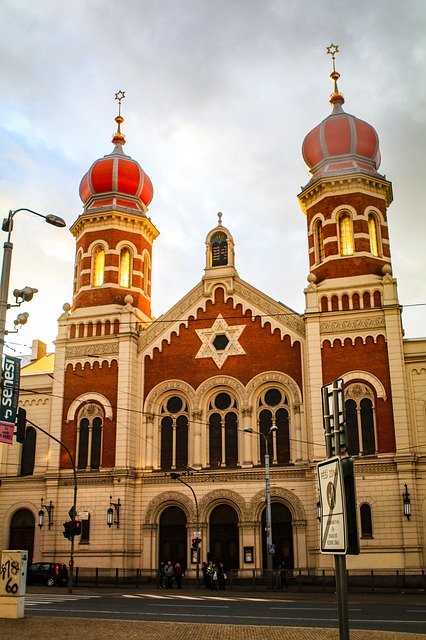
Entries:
{"x":7,"y":226}
{"x":177,"y":476}
{"x":268,"y":522}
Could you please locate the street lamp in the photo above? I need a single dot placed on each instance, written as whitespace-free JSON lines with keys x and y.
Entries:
{"x":268,"y":523}
{"x":177,"y":476}
{"x":7,"y":226}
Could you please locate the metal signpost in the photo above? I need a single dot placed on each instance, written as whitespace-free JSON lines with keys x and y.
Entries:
{"x":332,"y":495}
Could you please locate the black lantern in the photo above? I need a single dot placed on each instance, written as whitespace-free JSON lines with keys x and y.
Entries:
{"x":48,"y":508}
{"x":113,"y":513}
{"x":406,"y":502}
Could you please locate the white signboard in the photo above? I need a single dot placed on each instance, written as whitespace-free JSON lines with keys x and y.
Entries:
{"x":333,"y":516}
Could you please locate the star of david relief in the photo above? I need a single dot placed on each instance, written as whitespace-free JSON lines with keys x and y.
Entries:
{"x":220,"y":341}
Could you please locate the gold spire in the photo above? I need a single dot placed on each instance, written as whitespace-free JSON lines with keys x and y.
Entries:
{"x":118,"y":136}
{"x":336,"y":96}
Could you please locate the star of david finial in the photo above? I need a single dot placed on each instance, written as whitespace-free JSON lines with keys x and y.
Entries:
{"x":120,"y":95}
{"x":335,"y":75}
{"x":333,"y":49}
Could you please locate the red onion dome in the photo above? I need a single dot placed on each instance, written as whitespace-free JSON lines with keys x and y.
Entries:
{"x":341,"y":143}
{"x":116,"y":180}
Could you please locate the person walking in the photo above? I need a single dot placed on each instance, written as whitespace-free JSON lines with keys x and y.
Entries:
{"x":221,"y":577}
{"x":168,"y":574}
{"x":178,"y":573}
{"x":161,"y":576}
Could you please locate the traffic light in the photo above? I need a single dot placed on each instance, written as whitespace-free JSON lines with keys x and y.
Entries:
{"x":68,"y":527}
{"x":72,"y":528}
{"x":195,"y":542}
{"x":21,"y":424}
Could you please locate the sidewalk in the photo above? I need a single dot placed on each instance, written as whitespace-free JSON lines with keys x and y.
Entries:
{"x":43,"y":628}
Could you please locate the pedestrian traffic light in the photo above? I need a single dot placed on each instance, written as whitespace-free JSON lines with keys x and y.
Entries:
{"x":76,"y":529}
{"x":68,"y":527}
{"x":21,"y":424}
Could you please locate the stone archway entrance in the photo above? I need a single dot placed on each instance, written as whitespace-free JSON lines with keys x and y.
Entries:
{"x":173,"y":537}
{"x":21,"y":532}
{"x":224,"y":541}
{"x":282,"y":536}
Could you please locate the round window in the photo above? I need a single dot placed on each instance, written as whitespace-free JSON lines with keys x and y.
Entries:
{"x":174,"y":404}
{"x":273,"y":397}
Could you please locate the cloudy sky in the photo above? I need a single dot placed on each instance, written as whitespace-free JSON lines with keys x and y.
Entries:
{"x":219,"y":96}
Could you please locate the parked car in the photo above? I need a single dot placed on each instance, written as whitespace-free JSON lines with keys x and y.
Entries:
{"x":50,"y":573}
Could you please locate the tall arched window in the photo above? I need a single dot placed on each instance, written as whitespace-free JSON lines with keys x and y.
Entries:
{"x":273,"y":410}
{"x":77,"y":275}
{"x":174,"y":434}
{"x":346,"y":237}
{"x":90,"y":427}
{"x":318,"y":242}
{"x":28,"y":452}
{"x":146,"y":267}
{"x":223,"y":431}
{"x":373,"y":231}
{"x":98,"y":266}
{"x":366,"y":521}
{"x":124,"y":277}
{"x":360,"y":422}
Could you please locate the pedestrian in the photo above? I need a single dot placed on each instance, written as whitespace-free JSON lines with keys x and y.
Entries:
{"x":168,"y":574}
{"x":205,"y":576}
{"x":209,"y":575}
{"x":161,"y":576}
{"x":214,"y":577}
{"x":178,"y":573}
{"x":221,"y":577}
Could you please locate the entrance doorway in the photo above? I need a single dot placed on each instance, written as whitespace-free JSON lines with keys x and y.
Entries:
{"x":173,"y":537}
{"x":21,"y":534}
{"x":224,"y":541}
{"x":282,"y":536}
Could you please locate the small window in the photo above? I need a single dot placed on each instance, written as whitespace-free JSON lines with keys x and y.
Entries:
{"x":125,"y":268}
{"x":98,"y":266}
{"x":28,"y":452}
{"x":85,"y":530}
{"x":346,"y":238}
{"x":366,"y":521}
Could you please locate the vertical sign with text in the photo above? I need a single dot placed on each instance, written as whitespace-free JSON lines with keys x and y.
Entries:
{"x":9,"y":398}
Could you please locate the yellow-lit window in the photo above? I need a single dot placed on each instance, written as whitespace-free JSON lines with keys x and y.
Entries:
{"x":346,"y":237}
{"x":374,"y":235}
{"x":98,"y":266}
{"x":146,"y":274}
{"x":319,"y":243}
{"x":124,"y":274}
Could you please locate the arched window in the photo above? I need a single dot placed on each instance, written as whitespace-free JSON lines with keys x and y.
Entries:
{"x":174,"y":434}
{"x":90,"y":428}
{"x":124,"y":278}
{"x":373,"y":231}
{"x":366,"y":521}
{"x":318,"y":242}
{"x":346,"y":237}
{"x":146,"y":267}
{"x":273,"y":410}
{"x":223,"y":431}
{"x":98,"y":266}
{"x":219,"y":249}
{"x":28,"y":452}
{"x":77,"y":272}
{"x":360,"y":422}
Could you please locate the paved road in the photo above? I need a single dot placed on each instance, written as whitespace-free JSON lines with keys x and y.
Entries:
{"x":402,"y":613}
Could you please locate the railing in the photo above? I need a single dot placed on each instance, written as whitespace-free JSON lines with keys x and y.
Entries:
{"x":379,"y":580}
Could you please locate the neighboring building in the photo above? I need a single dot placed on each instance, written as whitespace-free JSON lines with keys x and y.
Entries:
{"x":135,"y":399}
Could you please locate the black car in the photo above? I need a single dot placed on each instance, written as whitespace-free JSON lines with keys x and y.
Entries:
{"x":50,"y":573}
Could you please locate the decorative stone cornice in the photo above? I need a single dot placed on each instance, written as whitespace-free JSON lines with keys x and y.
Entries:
{"x":92,"y":350}
{"x":364,"y":323}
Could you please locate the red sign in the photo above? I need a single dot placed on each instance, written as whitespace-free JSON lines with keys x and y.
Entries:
{"x":6,"y":432}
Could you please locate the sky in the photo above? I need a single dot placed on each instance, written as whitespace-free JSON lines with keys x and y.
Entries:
{"x":219,"y":97}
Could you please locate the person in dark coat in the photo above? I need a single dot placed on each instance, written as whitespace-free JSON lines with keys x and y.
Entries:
{"x":168,"y":574}
{"x":178,"y":573}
